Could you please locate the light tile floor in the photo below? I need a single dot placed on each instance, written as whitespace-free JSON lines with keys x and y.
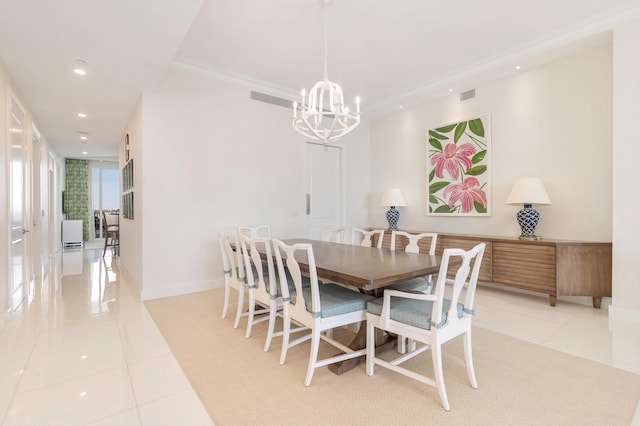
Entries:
{"x":83,"y":349}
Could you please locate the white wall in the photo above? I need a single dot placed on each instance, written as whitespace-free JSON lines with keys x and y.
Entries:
{"x":215,"y":159}
{"x":131,"y":254}
{"x":626,"y":151}
{"x":552,"y":122}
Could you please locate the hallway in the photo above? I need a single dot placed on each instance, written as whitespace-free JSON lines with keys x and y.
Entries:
{"x":84,"y":350}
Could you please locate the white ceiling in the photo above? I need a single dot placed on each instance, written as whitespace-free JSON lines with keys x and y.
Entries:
{"x":389,"y":53}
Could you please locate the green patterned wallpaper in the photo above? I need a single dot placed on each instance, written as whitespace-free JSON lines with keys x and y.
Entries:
{"x":76,"y":197}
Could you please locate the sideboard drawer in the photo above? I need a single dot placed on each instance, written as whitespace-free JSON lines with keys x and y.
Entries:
{"x":526,"y":266}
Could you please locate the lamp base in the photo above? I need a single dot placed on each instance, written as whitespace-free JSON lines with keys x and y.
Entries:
{"x":392,"y":217}
{"x":528,"y":220}
{"x":529,"y":237}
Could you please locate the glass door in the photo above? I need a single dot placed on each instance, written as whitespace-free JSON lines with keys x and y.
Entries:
{"x":105,"y":190}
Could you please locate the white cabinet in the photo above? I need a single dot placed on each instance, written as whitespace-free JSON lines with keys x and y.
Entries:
{"x":71,"y":232}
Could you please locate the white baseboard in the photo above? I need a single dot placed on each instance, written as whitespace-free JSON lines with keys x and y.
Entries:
{"x":186,"y":288}
{"x":619,"y":313}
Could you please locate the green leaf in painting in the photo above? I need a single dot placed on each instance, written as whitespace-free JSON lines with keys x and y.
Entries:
{"x":479,"y":207}
{"x":476,"y":127}
{"x":477,"y":170}
{"x":432,"y":174}
{"x":437,"y":135}
{"x":437,"y":186}
{"x":446,"y":129}
{"x":479,"y":156}
{"x":433,"y":200}
{"x":436,"y":144}
{"x":460,"y":128}
{"x":443,"y":209}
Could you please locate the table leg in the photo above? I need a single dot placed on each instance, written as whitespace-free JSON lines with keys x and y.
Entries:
{"x":383,"y":342}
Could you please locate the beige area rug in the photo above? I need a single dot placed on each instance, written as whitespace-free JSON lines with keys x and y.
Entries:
{"x":519,"y":382}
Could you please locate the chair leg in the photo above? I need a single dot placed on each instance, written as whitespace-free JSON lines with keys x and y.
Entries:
{"x":371,"y":349}
{"x":402,"y":344}
{"x":412,"y":345}
{"x":436,"y":357}
{"x":252,"y":311}
{"x":286,"y":330}
{"x":240,"y":307}
{"x":227,"y":292}
{"x":469,"y":359}
{"x":106,"y":239}
{"x":313,"y":355}
{"x":273,"y":312}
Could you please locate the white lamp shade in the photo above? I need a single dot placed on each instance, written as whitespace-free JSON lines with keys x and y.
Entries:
{"x":392,"y":197}
{"x":528,"y":191}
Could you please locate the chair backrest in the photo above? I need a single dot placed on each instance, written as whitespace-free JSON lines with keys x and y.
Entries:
{"x":286,"y":256}
{"x":365,"y":238}
{"x":466,"y":274}
{"x":262,"y":282}
{"x":231,"y":259}
{"x":332,"y":234}
{"x":110,"y":219}
{"x":412,"y":246}
{"x":255,"y":231}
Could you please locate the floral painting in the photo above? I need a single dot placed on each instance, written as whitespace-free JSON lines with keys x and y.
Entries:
{"x":458,"y":172}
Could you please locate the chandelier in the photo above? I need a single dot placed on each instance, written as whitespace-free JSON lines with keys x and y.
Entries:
{"x":323,"y":116}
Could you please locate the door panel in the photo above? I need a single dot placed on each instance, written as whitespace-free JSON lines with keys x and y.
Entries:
{"x":18,"y":203}
{"x":324,"y":188}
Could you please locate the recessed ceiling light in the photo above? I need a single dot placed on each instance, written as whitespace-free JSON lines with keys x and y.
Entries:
{"x":83,"y":138}
{"x":517,"y":67}
{"x":82,"y":115}
{"x":401,"y":106}
{"x":84,"y":152}
{"x":450,"y":90}
{"x":79,"y":67}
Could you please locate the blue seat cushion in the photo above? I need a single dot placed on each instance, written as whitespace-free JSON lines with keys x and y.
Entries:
{"x":306,"y":282}
{"x":335,"y":300}
{"x":415,"y":285}
{"x":416,"y":313}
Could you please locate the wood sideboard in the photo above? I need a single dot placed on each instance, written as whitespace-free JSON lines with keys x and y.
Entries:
{"x":553,"y":267}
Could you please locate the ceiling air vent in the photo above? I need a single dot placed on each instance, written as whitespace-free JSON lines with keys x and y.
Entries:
{"x":274,"y":100}
{"x":469,"y":94}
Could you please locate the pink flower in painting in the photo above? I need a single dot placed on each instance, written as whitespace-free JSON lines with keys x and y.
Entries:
{"x":467,"y":192}
{"x":451,"y":158}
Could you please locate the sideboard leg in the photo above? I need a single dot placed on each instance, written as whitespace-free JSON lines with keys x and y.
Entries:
{"x":552,"y":300}
{"x":596,"y":301}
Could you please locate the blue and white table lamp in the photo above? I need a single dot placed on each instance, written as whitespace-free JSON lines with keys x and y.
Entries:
{"x":528,"y":191}
{"x":392,"y":198}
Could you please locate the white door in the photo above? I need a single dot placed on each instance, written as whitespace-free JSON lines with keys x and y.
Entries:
{"x":324,"y":189}
{"x":19,"y":197}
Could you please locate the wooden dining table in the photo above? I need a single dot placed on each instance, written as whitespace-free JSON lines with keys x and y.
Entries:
{"x":367,"y":268}
{"x":370,"y":270}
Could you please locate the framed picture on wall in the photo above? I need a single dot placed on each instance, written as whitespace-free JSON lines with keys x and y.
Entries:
{"x":459,"y":168}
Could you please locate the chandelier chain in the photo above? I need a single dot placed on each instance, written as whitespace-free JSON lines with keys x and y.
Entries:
{"x":326,"y":74}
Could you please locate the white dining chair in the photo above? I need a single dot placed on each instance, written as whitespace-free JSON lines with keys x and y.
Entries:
{"x":255,"y":231}
{"x":364,"y":238}
{"x":431,"y":319}
{"x":234,"y":274}
{"x":411,"y":245}
{"x":263,"y":287}
{"x":318,"y":307}
{"x":332,"y":234}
